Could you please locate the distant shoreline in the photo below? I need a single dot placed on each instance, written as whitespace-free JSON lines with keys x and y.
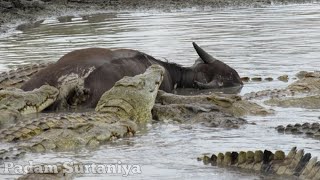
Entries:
{"x":16,"y":12}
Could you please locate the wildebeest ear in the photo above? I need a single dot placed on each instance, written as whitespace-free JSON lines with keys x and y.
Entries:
{"x":207,"y":58}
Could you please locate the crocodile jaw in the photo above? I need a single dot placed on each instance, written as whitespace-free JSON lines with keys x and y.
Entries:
{"x":29,"y":109}
{"x":30,"y":101}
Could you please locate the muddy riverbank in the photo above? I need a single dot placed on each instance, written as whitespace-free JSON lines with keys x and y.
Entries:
{"x":15,"y":12}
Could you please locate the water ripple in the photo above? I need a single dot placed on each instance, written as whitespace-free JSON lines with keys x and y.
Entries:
{"x":266,"y":42}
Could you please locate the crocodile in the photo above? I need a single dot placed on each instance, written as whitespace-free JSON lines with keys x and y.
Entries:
{"x":226,"y":103}
{"x":308,"y":84}
{"x":307,"y":102}
{"x":20,"y":74}
{"x":15,"y":102}
{"x":204,"y":114}
{"x":218,"y":110}
{"x":295,"y":165}
{"x":119,"y":113}
{"x":309,"y":129}
{"x":213,"y":112}
{"x":283,"y":78}
{"x":73,"y":89}
{"x":304,"y":92}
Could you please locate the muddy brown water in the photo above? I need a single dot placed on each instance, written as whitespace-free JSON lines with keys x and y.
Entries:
{"x":264,"y":42}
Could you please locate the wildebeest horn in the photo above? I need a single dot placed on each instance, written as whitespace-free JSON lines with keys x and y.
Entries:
{"x":207,"y":58}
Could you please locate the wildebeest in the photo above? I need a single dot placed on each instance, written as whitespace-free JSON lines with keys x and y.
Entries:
{"x":87,"y":73}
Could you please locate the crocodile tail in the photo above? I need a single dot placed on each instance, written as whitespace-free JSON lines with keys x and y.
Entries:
{"x":296,"y":164}
{"x":308,"y":129}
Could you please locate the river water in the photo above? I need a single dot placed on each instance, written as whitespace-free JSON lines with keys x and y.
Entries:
{"x":263,"y":42}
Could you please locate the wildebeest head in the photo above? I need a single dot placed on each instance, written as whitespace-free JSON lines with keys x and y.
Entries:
{"x":212,"y":73}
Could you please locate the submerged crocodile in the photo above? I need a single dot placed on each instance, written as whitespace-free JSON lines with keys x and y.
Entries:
{"x":304,"y":93}
{"x":117,"y":114}
{"x":283,"y":78}
{"x":308,"y":129}
{"x":308,"y":84}
{"x":295,"y":165}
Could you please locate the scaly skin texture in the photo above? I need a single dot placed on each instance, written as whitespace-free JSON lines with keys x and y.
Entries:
{"x":207,"y":115}
{"x":232,"y":104}
{"x":309,"y":129}
{"x":307,"y":85}
{"x":307,"y":88}
{"x":309,"y":82}
{"x":283,"y":78}
{"x":296,"y":164}
{"x":133,"y":98}
{"x":68,"y":132}
{"x":118,"y":112}
{"x":16,"y":77}
{"x":307,"y":102}
{"x":28,"y":102}
{"x":15,"y":102}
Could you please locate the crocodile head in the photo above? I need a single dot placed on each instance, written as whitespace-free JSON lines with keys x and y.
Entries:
{"x":133,"y":97}
{"x":28,"y":102}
